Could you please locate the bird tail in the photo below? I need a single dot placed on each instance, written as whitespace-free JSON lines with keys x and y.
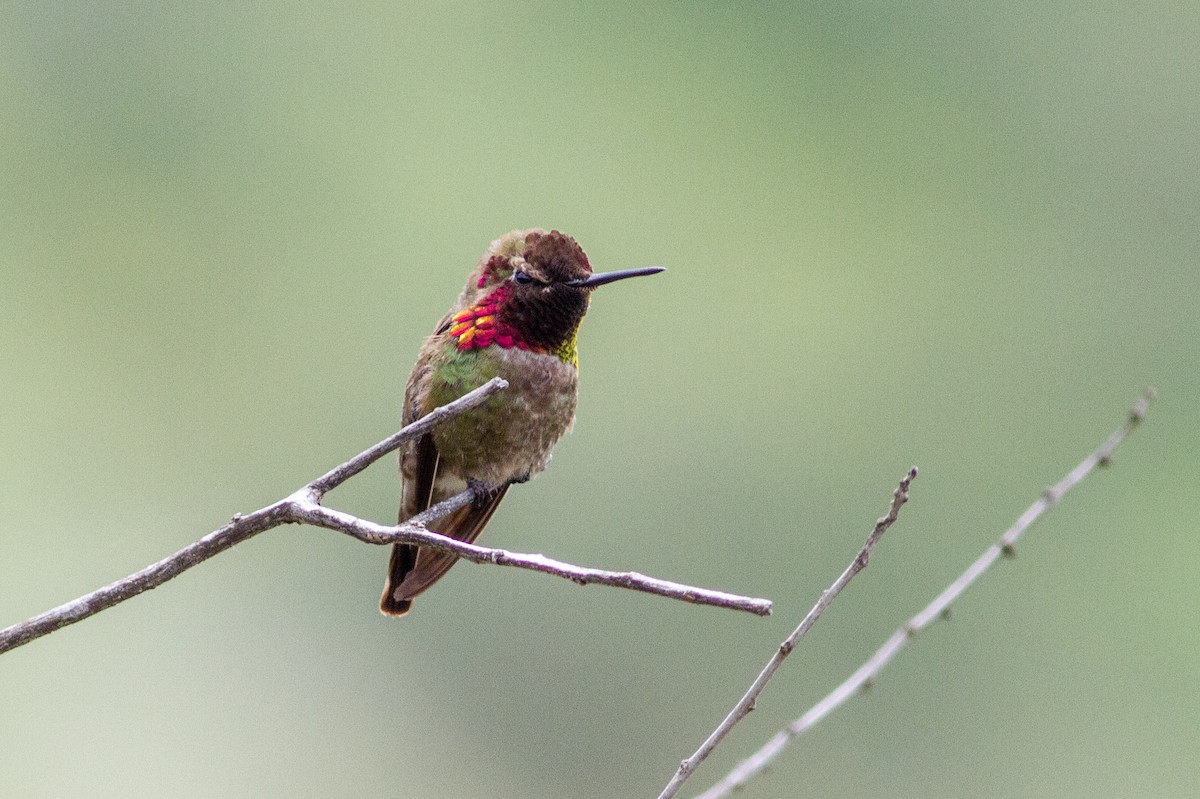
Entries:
{"x":413,"y":569}
{"x":404,"y":557}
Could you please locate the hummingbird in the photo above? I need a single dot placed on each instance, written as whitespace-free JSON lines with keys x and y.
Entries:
{"x":517,"y":318}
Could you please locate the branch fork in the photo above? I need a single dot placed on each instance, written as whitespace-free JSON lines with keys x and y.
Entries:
{"x":304,"y":507}
{"x":866,"y":674}
{"x":750,"y":698}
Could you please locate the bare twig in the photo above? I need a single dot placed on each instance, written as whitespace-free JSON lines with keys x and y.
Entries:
{"x":415,"y":533}
{"x":746,"y":703}
{"x":938,"y":608}
{"x":303,"y":507}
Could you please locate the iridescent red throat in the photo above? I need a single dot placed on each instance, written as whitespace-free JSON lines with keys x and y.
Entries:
{"x":479,"y":327}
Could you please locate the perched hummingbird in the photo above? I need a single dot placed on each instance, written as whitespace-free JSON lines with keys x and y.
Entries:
{"x":517,"y":318}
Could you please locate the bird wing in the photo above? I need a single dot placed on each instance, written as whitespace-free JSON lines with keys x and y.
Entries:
{"x":413,"y":569}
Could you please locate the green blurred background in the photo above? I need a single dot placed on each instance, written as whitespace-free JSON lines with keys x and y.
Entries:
{"x":957,"y":235}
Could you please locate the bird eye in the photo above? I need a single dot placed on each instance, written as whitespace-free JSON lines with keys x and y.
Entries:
{"x":522,"y":277}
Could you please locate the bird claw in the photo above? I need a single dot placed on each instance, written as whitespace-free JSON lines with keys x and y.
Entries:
{"x":484,"y":492}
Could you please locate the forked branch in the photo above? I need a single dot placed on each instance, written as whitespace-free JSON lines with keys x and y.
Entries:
{"x":746,"y":703}
{"x":304,"y":507}
{"x":939,"y":608}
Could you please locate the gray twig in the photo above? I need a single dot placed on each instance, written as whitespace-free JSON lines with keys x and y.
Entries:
{"x":746,"y":703}
{"x":303,"y":507}
{"x":939,"y":608}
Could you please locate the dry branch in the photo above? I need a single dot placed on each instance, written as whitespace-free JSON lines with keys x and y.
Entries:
{"x":303,"y":507}
{"x":746,"y":703}
{"x":939,"y":608}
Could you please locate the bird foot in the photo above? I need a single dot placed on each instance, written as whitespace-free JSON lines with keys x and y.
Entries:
{"x":484,"y":492}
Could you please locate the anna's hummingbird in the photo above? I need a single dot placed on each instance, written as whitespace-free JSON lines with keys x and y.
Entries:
{"x":517,"y":318}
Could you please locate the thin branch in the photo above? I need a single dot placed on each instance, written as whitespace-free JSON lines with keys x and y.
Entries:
{"x":746,"y":703}
{"x":335,"y":477}
{"x":240,"y":528}
{"x":414,"y":532}
{"x":303,"y":507}
{"x":939,"y":608}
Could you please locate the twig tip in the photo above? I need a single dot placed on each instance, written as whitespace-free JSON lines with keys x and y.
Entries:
{"x":1139,"y":411}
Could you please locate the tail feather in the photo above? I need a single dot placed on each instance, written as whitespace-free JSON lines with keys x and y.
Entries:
{"x":404,"y":557}
{"x":413,"y":569}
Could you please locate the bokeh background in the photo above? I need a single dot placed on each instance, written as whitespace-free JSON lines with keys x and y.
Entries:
{"x":957,"y":235}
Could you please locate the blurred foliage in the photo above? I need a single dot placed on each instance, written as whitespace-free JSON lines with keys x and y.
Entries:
{"x":957,"y":235}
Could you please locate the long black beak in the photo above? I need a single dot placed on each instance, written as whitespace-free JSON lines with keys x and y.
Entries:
{"x":608,"y":277}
